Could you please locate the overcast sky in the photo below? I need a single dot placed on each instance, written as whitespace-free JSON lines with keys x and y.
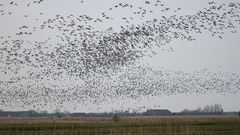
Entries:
{"x":206,"y":53}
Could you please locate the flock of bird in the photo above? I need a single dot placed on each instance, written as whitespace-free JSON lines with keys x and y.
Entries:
{"x":26,"y":3}
{"x":130,"y":84}
{"x":82,"y":64}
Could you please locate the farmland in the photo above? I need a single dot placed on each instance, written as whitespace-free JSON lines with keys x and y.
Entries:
{"x":174,"y":125}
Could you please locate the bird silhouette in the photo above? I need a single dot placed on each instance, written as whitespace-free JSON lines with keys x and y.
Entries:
{"x":82,"y":64}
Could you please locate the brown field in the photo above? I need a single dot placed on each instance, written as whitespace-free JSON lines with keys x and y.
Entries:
{"x":173,"y":125}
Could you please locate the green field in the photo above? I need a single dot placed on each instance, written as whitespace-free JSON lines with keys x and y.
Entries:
{"x":198,"y":125}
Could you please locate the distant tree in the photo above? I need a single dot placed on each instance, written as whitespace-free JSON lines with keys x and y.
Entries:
{"x":213,"y":109}
{"x":57,"y":113}
{"x":66,"y":113}
{"x":239,"y":113}
{"x":185,"y":111}
{"x":44,"y":112}
{"x":218,"y":108}
{"x":116,"y":118}
{"x":198,"y":110}
{"x":57,"y":110}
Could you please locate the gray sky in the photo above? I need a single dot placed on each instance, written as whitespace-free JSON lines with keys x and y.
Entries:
{"x":206,"y":53}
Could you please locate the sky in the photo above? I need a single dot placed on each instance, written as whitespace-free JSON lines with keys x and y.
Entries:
{"x":206,"y":54}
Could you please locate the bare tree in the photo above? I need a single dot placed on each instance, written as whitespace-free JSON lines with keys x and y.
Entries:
{"x":116,"y":118}
{"x":216,"y":108}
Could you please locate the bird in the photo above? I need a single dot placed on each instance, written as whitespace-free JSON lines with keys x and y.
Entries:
{"x":13,"y":3}
{"x":97,"y":66}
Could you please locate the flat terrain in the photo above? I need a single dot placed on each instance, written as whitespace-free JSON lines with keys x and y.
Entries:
{"x":175,"y":125}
